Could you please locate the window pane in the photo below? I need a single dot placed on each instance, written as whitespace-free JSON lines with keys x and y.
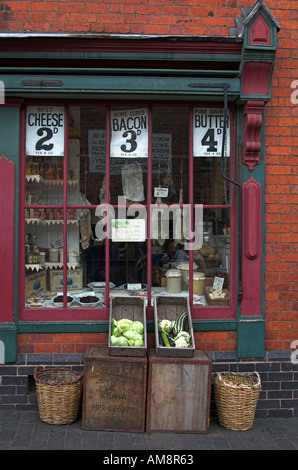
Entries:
{"x":87,"y":162}
{"x":43,"y":200}
{"x":170,"y":153}
{"x":128,"y":252}
{"x":208,"y":182}
{"x":170,"y":187}
{"x":43,"y":260}
{"x":87,"y":154}
{"x":129,"y":155}
{"x":213,"y":260}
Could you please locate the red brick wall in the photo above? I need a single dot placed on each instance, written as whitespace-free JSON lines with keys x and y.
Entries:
{"x":204,"y":17}
{"x":78,"y":343}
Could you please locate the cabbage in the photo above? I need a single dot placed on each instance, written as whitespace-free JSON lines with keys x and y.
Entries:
{"x":119,"y":327}
{"x":132,"y":335}
{"x":119,"y":341}
{"x":127,"y":332}
{"x":137,"y":326}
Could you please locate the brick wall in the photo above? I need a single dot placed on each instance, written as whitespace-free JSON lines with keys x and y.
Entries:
{"x":78,"y":343}
{"x":279,"y":377}
{"x":208,"y":17}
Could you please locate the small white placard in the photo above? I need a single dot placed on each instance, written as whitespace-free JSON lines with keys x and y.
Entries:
{"x":134,"y":286}
{"x":161,"y":192}
{"x":218,"y":283}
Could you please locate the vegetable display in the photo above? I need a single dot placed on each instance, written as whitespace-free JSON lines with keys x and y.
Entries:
{"x":127,"y":332}
{"x":175,"y":333}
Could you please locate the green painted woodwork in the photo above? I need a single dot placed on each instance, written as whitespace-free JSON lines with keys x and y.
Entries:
{"x":81,"y":55}
{"x":98,"y":86}
{"x":116,"y":71}
{"x":250,"y":337}
{"x":9,"y":133}
{"x":103,"y":326}
{"x":9,"y":337}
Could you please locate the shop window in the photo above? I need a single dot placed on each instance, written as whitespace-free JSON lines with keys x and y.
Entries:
{"x":111,"y":193}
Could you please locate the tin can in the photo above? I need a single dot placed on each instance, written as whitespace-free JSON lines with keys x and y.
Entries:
{"x":59,"y":173}
{"x":53,"y":255}
{"x":70,"y":173}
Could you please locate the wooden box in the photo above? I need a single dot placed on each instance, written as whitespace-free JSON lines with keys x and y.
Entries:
{"x":178,"y":393}
{"x":170,"y":307}
{"x":74,"y":279}
{"x":35,"y":283}
{"x":114,"y":396}
{"x":132,"y":308}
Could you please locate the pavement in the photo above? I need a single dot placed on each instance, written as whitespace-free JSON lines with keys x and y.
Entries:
{"x":23,"y":430}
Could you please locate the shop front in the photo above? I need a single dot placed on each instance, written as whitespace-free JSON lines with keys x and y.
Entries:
{"x":134,"y":166}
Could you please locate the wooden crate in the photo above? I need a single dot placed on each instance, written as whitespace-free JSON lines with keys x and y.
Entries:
{"x":170,"y":307}
{"x":74,"y":279}
{"x":132,"y":308}
{"x":114,"y":394}
{"x":178,"y":393}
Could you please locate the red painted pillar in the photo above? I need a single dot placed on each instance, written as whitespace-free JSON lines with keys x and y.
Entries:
{"x":7,"y":238}
{"x":251,"y":248}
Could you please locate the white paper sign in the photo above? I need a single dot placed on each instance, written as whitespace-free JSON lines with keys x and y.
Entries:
{"x":218,"y":283}
{"x":128,"y":230}
{"x":129,"y":133}
{"x":97,"y":150}
{"x":161,"y":192}
{"x":134,"y":286}
{"x":45,"y":130}
{"x":208,"y":125}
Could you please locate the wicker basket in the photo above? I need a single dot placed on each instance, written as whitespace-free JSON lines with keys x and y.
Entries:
{"x":211,"y":301}
{"x":59,"y":393}
{"x":236,"y":396}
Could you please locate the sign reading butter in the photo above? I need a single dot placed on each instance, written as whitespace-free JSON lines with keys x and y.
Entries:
{"x":45,"y":130}
{"x":129,"y":133}
{"x":208,"y":125}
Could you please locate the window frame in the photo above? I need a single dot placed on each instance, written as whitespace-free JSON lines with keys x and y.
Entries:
{"x":102,"y":314}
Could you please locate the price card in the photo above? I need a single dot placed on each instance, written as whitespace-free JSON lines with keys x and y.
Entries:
{"x":218,"y":283}
{"x":161,"y":192}
{"x":45,"y":130}
{"x":134,"y":286}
